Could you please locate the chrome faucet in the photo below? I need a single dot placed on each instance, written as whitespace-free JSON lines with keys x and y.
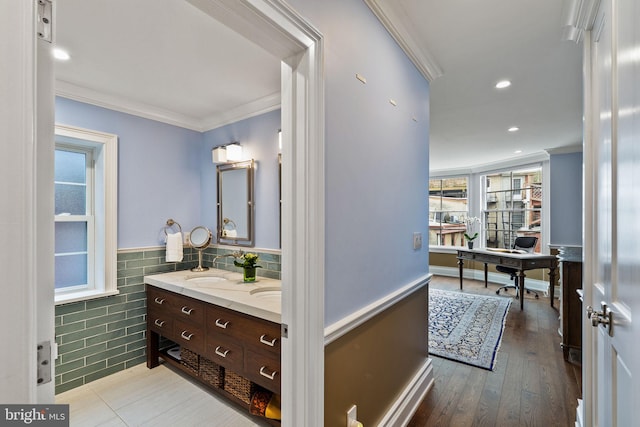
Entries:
{"x":235,"y":255}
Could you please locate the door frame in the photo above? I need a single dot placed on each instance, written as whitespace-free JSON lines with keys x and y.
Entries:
{"x":27,"y":267}
{"x":278,"y":28}
{"x":275,"y":26}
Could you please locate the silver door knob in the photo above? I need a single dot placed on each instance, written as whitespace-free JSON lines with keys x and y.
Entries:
{"x":604,"y":317}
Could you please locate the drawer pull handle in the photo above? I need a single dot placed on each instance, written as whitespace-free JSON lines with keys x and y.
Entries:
{"x":186,"y":337}
{"x":271,"y":376}
{"x":159,"y":300}
{"x":221,"y":353}
{"x":159,"y":323}
{"x":186,"y":310}
{"x":219,"y":324}
{"x":271,"y":343}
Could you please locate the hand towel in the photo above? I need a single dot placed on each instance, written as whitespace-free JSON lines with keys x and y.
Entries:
{"x":174,"y":247}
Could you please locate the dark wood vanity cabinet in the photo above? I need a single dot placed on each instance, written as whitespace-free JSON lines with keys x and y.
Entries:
{"x":247,"y":345}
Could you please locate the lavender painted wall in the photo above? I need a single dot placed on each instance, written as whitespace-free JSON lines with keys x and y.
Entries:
{"x":377,"y":158}
{"x":165,"y":171}
{"x":259,"y":139}
{"x":566,"y":199}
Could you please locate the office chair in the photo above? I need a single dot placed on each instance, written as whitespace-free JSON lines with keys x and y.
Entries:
{"x":525,"y":243}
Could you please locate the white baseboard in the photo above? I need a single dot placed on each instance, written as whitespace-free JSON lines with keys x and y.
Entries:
{"x":501,"y":279}
{"x":408,"y":401}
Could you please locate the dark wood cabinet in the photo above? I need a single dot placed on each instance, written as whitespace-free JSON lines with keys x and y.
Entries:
{"x":243,"y":345}
{"x":571,"y":309}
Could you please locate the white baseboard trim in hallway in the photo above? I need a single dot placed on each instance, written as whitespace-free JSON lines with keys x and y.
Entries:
{"x":407,"y":403}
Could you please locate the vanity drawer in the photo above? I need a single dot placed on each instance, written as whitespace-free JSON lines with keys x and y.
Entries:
{"x":179,"y":306}
{"x":263,"y":369}
{"x":158,"y":299}
{"x":249,"y":329}
{"x":189,"y":335}
{"x":160,"y":322}
{"x":224,"y":351}
{"x":188,"y":309}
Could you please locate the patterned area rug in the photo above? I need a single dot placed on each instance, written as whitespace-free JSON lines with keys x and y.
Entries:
{"x":466,"y":328}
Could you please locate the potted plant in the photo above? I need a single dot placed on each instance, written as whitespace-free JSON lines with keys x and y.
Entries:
{"x":248,"y":264}
{"x":473,"y":229}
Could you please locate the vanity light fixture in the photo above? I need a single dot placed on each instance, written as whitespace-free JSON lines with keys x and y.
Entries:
{"x":502,"y":84}
{"x":227,"y":153}
{"x":219,"y":154}
{"x":234,"y":152}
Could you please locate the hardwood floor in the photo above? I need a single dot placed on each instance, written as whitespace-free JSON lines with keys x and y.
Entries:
{"x":531,"y":385}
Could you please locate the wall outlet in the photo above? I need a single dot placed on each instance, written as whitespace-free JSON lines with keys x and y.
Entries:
{"x":352,"y":416}
{"x":417,"y":240}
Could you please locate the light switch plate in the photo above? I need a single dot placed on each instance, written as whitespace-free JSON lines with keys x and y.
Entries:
{"x":417,"y":240}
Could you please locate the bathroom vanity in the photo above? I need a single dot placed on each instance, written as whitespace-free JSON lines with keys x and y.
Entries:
{"x":228,"y":331}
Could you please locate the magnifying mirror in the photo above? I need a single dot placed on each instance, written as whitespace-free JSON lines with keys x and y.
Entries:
{"x":200,"y":238}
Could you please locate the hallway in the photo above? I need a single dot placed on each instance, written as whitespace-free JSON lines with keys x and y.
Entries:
{"x":532,"y":385}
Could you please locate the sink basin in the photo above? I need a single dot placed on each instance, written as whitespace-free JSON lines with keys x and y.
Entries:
{"x":206,"y":280}
{"x":271,"y":293}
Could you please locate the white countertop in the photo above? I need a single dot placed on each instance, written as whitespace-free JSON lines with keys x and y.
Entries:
{"x":225,"y":289}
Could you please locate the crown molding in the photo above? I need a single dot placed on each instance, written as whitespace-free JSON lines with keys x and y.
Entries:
{"x":89,"y":96}
{"x":513,"y":162}
{"x":568,"y":149}
{"x":418,"y":54}
{"x":100,"y":99}
{"x":251,"y":109}
{"x":579,"y":16}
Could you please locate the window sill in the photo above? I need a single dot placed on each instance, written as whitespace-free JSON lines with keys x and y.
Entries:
{"x":445,"y":249}
{"x":83,"y":296}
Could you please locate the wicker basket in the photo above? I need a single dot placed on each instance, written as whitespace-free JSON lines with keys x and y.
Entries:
{"x":238,"y":386}
{"x":211,"y":373}
{"x":189,"y":359}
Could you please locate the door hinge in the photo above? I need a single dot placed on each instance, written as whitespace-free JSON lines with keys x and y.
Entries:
{"x":44,"y":362}
{"x":284,"y":329}
{"x":45,"y":16}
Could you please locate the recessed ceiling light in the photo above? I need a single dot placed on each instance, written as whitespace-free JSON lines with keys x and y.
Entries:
{"x":518,"y":151}
{"x":503,"y":84}
{"x":514,"y":129}
{"x":60,"y":54}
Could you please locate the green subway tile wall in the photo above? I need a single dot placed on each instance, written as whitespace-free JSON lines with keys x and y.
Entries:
{"x":102,"y":336}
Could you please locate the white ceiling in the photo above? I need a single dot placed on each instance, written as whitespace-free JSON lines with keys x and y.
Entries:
{"x":162,"y":59}
{"x":167,"y":60}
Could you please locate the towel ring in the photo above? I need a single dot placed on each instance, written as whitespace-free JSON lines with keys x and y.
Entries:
{"x":228,"y":221}
{"x":171,"y":223}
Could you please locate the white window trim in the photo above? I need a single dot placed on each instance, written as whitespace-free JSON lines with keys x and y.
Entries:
{"x":106,"y":213}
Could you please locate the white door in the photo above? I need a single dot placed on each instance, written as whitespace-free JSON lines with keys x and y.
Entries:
{"x":26,"y":205}
{"x":614,"y":259}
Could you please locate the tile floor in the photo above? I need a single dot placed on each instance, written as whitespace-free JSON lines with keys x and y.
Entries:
{"x":149,"y":397}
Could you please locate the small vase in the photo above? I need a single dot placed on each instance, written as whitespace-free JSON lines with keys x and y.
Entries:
{"x":249,"y":274}
{"x":470,"y":244}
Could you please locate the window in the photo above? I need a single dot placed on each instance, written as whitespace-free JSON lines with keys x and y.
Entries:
{"x":512,"y":207}
{"x":74,"y":218}
{"x":448,"y":208}
{"x":85,"y":214}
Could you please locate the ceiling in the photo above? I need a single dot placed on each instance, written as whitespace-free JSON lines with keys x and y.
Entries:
{"x":167,"y":60}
